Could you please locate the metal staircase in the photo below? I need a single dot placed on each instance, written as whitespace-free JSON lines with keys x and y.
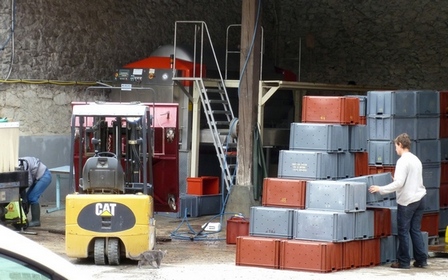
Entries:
{"x":216,"y":105}
{"x":221,"y":121}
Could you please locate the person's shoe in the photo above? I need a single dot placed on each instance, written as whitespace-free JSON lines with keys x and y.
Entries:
{"x":420,"y":265}
{"x":398,"y":265}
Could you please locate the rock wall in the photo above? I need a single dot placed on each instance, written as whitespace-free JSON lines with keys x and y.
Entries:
{"x":58,"y":48}
{"x":395,"y":43}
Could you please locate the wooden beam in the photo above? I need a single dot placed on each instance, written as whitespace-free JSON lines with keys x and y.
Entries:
{"x":249,"y":87}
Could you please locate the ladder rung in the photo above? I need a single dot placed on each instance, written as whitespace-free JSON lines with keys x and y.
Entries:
{"x":215,"y":90}
{"x":222,"y":123}
{"x":223,"y":112}
{"x":218,"y":101}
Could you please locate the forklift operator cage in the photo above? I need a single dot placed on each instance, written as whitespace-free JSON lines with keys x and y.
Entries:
{"x":97,"y":114}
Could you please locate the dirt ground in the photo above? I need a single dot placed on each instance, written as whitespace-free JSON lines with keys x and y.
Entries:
{"x":207,"y":257}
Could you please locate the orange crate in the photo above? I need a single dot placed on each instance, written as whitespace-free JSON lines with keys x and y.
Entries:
{"x":382,"y":221}
{"x":236,"y":226}
{"x":310,"y":255}
{"x":443,"y":195}
{"x":330,"y":109}
{"x":444,"y":172}
{"x":257,"y":251}
{"x":282,"y":192}
{"x":377,"y":169}
{"x":361,"y":164}
{"x":351,"y":254}
{"x":430,"y":223}
{"x":370,"y":252}
{"x":203,"y":185}
{"x":363,"y":120}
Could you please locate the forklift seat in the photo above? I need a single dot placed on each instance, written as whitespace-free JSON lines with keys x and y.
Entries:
{"x":103,"y":175}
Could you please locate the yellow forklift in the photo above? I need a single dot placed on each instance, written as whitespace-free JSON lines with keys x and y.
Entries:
{"x":117,"y":148}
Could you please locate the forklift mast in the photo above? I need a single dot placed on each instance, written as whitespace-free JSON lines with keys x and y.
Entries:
{"x":143,"y":138}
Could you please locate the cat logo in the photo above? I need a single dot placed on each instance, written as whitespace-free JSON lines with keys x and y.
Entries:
{"x":105,"y":209}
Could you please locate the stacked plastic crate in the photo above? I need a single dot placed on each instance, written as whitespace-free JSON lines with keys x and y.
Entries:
{"x":417,"y":113}
{"x":285,"y":235}
{"x":443,"y":133}
{"x":202,"y":198}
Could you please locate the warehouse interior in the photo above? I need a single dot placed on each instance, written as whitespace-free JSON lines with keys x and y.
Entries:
{"x":55,"y":54}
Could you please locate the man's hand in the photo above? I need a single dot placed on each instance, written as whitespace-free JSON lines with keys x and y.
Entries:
{"x":374,"y":189}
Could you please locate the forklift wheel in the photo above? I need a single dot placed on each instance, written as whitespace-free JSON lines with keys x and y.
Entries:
{"x":98,"y":252}
{"x":113,"y":251}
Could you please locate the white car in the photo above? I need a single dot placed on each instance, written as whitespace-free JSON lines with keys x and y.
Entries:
{"x":23,"y":258}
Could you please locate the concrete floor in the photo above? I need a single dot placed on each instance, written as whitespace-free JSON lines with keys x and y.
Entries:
{"x":209,"y":257}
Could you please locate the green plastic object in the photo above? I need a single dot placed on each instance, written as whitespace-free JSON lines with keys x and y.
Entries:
{"x":3,"y":120}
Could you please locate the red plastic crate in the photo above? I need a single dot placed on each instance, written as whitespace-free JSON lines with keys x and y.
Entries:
{"x":330,"y":109}
{"x":370,"y":252}
{"x":236,"y":226}
{"x":443,"y":129}
{"x":443,"y":195}
{"x":382,"y":221}
{"x":377,"y":169}
{"x":203,"y":185}
{"x":430,"y":223}
{"x":258,"y":251}
{"x":310,"y":255}
{"x":351,"y":254}
{"x":361,"y":164}
{"x":363,"y":120}
{"x":282,"y":192}
{"x":444,"y":172}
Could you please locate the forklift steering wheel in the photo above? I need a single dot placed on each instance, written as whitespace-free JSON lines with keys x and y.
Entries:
{"x":106,"y":154}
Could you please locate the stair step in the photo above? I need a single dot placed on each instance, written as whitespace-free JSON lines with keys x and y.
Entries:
{"x":218,"y":101}
{"x":214,"y":90}
{"x":222,"y":123}
{"x":221,"y":112}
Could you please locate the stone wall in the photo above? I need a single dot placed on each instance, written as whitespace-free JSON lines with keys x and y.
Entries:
{"x":394,"y":43}
{"x":58,"y":46}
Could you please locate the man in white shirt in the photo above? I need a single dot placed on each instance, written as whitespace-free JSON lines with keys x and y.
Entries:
{"x":408,"y":185}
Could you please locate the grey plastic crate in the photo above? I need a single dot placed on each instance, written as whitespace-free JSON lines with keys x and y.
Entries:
{"x":319,"y":137}
{"x":367,"y":180}
{"x":336,"y":196}
{"x":209,"y":204}
{"x":432,"y":200}
{"x":188,"y":206}
{"x":364,"y":225}
{"x":428,"y":151}
{"x":388,"y":249}
{"x":444,"y":149}
{"x":382,"y":152}
{"x":321,"y":225}
{"x":362,"y":104}
{"x":346,"y":165}
{"x":382,"y":179}
{"x":387,"y":127}
{"x":431,"y":175}
{"x":403,"y":103}
{"x":307,"y":165}
{"x":271,"y":222}
{"x":358,"y":138}
{"x":427,"y":128}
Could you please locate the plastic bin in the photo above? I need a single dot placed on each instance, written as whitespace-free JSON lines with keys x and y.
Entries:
{"x":203,"y":185}
{"x":236,"y":226}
